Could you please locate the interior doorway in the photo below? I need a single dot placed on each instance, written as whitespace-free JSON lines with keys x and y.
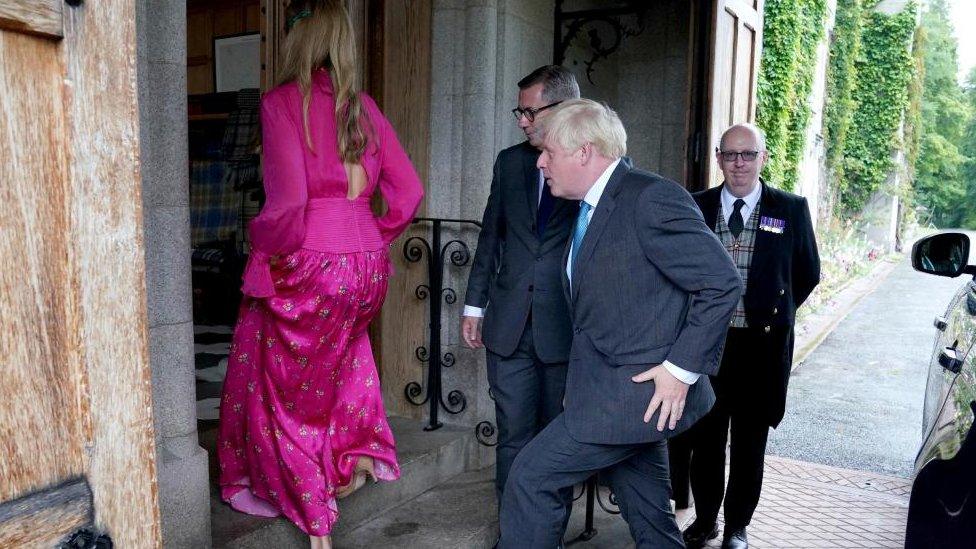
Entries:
{"x":678,"y":73}
{"x":233,"y":48}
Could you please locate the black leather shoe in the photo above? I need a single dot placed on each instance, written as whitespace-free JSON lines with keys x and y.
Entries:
{"x":736,"y":539}
{"x":698,"y":534}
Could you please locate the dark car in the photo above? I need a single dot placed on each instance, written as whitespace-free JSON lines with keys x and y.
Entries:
{"x":942,"y":509}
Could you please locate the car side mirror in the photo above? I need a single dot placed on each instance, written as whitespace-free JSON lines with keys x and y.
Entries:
{"x":944,"y":254}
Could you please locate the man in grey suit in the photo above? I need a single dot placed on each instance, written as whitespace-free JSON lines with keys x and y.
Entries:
{"x":515,"y":279}
{"x":651,"y":290}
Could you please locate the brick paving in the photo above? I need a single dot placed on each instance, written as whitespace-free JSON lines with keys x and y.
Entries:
{"x":811,"y":506}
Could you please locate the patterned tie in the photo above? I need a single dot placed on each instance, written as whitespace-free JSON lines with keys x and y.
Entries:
{"x":582,"y":221}
{"x":735,"y":221}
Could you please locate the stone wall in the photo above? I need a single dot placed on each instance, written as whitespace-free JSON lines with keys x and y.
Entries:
{"x":812,"y":169}
{"x":481,"y":49}
{"x":645,"y":81}
{"x":184,"y":494}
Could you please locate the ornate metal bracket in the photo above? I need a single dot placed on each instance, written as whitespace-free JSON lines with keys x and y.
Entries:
{"x":457,"y":252}
{"x":87,"y":539}
{"x":592,"y":21}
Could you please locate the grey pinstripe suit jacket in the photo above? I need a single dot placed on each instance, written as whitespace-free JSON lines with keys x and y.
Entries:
{"x":651,"y":283}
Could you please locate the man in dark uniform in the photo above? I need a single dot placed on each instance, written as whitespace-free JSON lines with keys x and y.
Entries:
{"x":770,"y":237}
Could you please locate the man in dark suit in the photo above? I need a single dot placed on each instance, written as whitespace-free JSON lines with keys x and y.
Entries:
{"x":651,"y":289}
{"x":770,"y":237}
{"x":515,"y":279}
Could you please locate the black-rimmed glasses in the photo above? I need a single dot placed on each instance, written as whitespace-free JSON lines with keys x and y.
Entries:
{"x":732,"y":156}
{"x":530,"y":113}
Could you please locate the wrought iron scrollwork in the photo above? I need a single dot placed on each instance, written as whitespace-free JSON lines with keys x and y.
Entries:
{"x":593,"y":498}
{"x":485,"y":432}
{"x":415,"y":249}
{"x":593,"y":21}
{"x":611,"y":506}
{"x":456,"y":402}
{"x":412,"y":392}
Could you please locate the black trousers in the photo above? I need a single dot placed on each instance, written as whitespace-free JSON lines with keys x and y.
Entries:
{"x":528,"y":395}
{"x":736,"y":416}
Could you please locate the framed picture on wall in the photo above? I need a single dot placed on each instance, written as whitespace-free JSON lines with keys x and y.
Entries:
{"x":237,"y":62}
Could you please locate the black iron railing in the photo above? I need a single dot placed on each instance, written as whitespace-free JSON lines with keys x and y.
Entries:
{"x":591,"y":489}
{"x":414,"y":250}
{"x":436,"y":293}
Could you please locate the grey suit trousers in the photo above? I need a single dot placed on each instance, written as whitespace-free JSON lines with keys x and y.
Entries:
{"x":528,"y":394}
{"x":534,"y":512}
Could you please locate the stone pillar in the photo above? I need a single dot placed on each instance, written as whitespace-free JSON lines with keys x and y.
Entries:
{"x":184,"y":493}
{"x":481,"y":49}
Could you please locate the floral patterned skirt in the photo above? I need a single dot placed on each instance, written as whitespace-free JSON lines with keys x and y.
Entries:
{"x":301,"y":401}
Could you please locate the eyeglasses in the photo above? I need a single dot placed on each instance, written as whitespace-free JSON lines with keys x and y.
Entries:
{"x":530,"y":113}
{"x":731,"y":156}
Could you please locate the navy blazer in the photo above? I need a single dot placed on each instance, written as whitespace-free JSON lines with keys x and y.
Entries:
{"x":515,"y":271}
{"x":651,"y":283}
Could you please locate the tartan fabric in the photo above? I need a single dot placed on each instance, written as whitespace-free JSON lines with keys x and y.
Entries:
{"x":214,"y":206}
{"x":741,"y":250}
{"x":241,"y":140}
{"x":210,"y":256}
{"x":216,"y":185}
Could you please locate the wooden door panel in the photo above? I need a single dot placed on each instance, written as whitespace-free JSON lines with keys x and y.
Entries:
{"x":39,"y":378}
{"x":41,"y":17}
{"x":45,"y":518}
{"x":736,"y":50}
{"x":76,"y":429}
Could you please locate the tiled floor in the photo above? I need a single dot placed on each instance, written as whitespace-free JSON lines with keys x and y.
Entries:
{"x":211,"y":347}
{"x":807,"y":505}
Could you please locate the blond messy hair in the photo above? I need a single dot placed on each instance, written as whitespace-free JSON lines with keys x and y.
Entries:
{"x":577,"y":122}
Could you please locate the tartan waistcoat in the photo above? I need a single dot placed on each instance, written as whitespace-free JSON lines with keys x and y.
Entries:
{"x":741,"y":250}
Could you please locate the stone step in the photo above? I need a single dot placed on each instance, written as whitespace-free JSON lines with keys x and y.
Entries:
{"x":459,"y":513}
{"x":427,"y":459}
{"x":462,"y":513}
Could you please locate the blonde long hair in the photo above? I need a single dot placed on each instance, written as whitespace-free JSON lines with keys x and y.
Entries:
{"x":320,"y":37}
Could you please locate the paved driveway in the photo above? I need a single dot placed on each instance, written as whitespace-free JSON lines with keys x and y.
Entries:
{"x":856,"y":401}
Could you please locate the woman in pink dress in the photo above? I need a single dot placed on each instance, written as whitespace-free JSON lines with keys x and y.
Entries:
{"x":301,"y":416}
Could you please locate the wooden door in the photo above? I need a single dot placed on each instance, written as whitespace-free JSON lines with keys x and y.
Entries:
{"x":397,"y":54}
{"x":76,"y":427}
{"x":736,"y":49}
{"x":395,"y":51}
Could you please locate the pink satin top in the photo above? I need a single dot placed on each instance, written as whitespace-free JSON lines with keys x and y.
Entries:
{"x":306,"y":189}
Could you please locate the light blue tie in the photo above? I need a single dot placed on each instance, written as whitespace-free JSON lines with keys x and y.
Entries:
{"x":582,"y":221}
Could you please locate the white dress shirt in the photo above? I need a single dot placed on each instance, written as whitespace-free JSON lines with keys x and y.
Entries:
{"x":728,"y":203}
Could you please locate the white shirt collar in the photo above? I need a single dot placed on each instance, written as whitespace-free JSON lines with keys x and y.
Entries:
{"x":751,"y":200}
{"x":596,"y":191}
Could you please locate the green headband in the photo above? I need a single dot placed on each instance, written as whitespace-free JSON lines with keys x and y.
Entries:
{"x":296,"y":18}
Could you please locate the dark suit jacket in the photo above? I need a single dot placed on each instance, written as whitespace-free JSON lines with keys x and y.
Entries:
{"x":785,"y":269}
{"x":651,"y":283}
{"x":514,"y":271}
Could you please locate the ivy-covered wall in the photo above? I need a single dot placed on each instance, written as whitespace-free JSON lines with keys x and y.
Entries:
{"x":792,"y":29}
{"x":885,"y":69}
{"x":868,"y":89}
{"x":845,"y":46}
